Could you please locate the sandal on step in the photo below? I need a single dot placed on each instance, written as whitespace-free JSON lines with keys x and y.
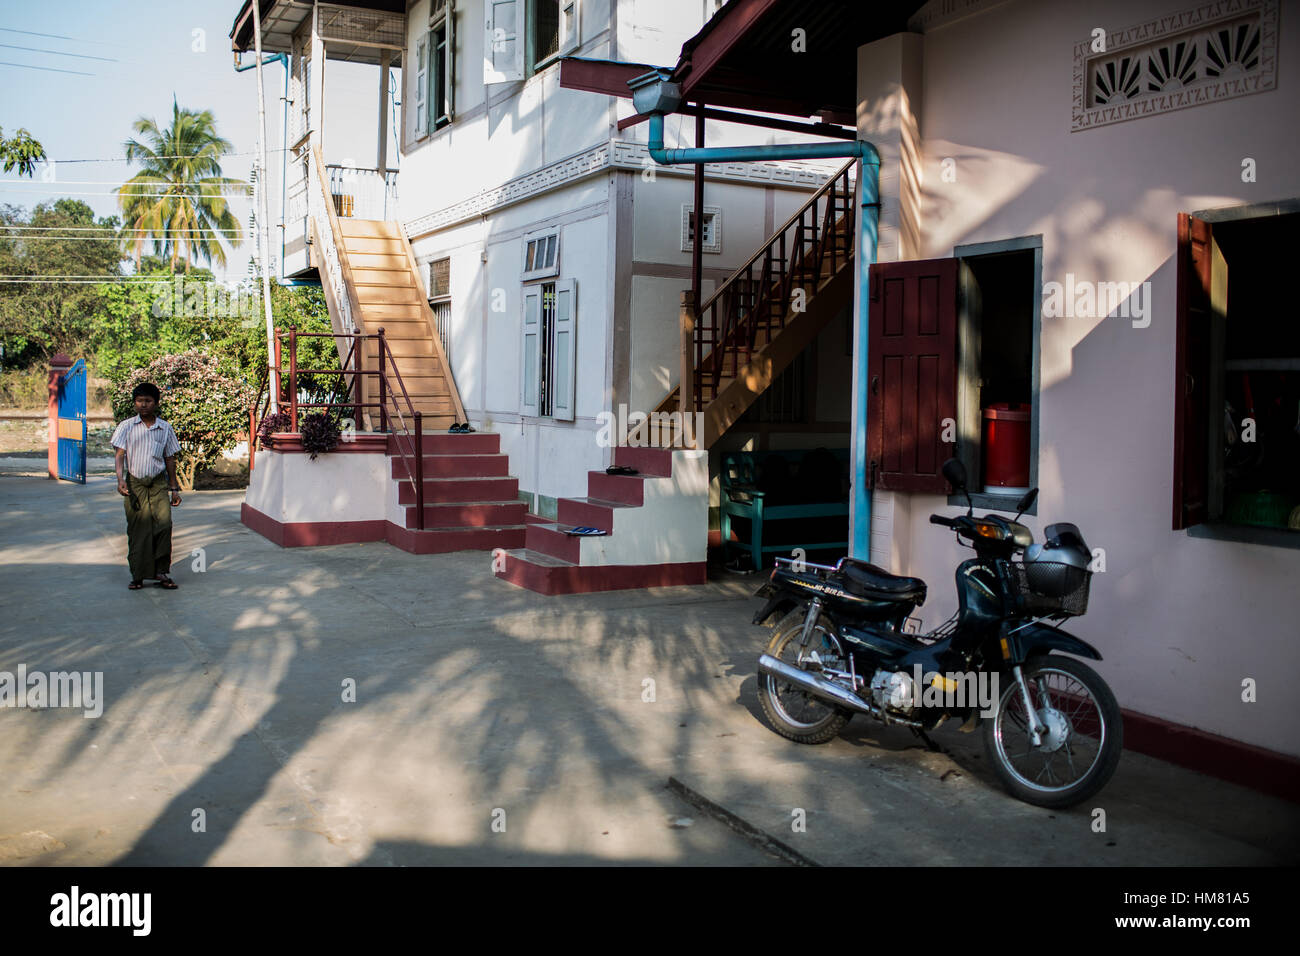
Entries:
{"x":621,"y":470}
{"x":168,"y":583}
{"x":135,"y":585}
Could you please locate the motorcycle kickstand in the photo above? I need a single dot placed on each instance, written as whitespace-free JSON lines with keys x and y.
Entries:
{"x":933,"y":747}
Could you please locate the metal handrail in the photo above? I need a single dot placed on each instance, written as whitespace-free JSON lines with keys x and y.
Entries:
{"x":415,"y":475}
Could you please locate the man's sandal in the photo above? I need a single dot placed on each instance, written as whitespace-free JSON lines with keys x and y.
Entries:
{"x":168,"y":583}
{"x":135,"y":585}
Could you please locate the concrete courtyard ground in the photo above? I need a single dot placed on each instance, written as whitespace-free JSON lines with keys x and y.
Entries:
{"x":490,"y":725}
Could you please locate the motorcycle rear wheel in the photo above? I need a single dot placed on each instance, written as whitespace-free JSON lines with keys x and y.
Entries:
{"x":1082,"y":750}
{"x":792,"y":713}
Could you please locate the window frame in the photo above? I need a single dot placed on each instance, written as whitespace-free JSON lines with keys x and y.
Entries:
{"x":714,"y":213}
{"x":1216,"y":528}
{"x":568,"y":33}
{"x":965,"y":332}
{"x":543,"y":272}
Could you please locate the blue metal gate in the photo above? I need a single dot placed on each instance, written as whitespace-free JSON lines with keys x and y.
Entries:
{"x":72,"y":423}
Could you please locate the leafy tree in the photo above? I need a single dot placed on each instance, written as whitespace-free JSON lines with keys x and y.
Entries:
{"x":177,"y":202}
{"x":46,"y":314}
{"x":21,"y":151}
{"x":206,"y":407}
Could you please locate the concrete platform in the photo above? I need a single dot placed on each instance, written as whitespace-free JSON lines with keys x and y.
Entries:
{"x":562,"y":717}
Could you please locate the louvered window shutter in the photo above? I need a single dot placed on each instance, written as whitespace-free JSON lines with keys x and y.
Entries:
{"x":532,"y":351}
{"x":503,"y":48}
{"x":566,"y":340}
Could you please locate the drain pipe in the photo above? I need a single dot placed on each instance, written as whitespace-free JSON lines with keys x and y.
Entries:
{"x":653,"y":95}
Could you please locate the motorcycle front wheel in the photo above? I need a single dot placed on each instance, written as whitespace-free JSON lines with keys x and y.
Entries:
{"x":1085,"y":734}
{"x":794,"y":713}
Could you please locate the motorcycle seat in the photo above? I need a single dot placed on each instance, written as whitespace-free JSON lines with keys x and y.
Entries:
{"x":878,"y":584}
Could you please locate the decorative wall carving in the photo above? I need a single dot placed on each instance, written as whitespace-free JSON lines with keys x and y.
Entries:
{"x":1214,"y":52}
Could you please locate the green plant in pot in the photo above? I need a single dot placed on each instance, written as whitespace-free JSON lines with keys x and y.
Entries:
{"x":320,"y":433}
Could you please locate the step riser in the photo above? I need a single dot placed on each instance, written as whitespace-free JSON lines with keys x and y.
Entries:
{"x":469,"y":516}
{"x":648,"y":461}
{"x":576,"y":580}
{"x":486,"y":443}
{"x":583,"y":514}
{"x":397,"y":278}
{"x":627,"y":489}
{"x":441,"y":490}
{"x":456,"y":466}
{"x":552,"y":542}
{"x":469,"y":539}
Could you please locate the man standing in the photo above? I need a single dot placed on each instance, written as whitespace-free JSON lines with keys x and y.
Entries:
{"x":147,"y":446}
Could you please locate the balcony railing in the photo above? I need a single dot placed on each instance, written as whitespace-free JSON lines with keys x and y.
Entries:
{"x":361,"y":193}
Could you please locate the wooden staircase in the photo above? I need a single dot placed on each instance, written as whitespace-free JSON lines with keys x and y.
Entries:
{"x":382,"y":274}
{"x":772,"y":308}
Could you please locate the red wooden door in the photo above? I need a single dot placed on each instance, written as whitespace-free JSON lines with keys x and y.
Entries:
{"x":1195,"y":315}
{"x":912,"y":372}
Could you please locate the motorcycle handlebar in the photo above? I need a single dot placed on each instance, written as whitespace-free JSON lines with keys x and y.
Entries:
{"x":946,"y":522}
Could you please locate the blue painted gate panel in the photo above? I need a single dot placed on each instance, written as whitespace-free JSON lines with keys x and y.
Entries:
{"x":72,"y":423}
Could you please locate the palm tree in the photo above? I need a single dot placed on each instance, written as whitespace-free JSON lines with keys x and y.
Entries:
{"x":178,"y":199}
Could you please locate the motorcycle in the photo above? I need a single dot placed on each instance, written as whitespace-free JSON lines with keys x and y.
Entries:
{"x":1052,"y":728}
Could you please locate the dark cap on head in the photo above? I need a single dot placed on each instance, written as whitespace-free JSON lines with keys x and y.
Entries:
{"x":146,"y":388}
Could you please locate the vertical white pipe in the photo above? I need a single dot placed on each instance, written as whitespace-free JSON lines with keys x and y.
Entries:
{"x":263,"y":213}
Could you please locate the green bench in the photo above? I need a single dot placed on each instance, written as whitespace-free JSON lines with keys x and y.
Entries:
{"x":769,"y":486}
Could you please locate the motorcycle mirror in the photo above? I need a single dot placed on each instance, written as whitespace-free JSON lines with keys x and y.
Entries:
{"x":1026,"y":502}
{"x":955,"y":472}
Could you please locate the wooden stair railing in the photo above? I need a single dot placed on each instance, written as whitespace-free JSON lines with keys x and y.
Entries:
{"x":820,"y":234}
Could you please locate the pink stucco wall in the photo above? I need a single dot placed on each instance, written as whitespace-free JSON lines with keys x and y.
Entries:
{"x":1180,"y":620}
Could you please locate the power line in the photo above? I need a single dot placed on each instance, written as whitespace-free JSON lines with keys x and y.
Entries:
{"x":112,"y":182}
{"x":123,"y":159}
{"x":80,"y":56}
{"x":48,"y":69}
{"x":56,"y":36}
{"x":102,"y":229}
{"x":132,"y":194}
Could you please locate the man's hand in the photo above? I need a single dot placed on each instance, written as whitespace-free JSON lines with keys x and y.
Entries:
{"x":176,"y":498}
{"x":122,"y":489}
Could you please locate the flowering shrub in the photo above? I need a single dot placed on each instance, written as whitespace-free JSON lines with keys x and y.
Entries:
{"x":277,"y":422}
{"x":320,"y":433}
{"x":204,"y":406}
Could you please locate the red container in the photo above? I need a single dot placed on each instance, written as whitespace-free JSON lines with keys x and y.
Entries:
{"x":1006,"y":448}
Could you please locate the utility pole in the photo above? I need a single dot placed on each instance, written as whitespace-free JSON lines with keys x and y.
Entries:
{"x":263,"y":214}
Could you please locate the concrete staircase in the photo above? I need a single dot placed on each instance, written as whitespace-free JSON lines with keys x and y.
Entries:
{"x":653,"y":519}
{"x":470,"y":501}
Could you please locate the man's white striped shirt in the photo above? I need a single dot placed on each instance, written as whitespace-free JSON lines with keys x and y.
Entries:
{"x":147,"y":446}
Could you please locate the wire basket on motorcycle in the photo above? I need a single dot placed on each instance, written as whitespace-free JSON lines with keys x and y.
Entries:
{"x":1048,"y":588}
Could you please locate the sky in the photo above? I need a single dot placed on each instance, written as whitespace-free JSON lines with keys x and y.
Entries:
{"x":77,"y":73}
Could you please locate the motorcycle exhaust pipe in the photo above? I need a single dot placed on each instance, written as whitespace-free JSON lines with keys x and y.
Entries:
{"x":814,"y":684}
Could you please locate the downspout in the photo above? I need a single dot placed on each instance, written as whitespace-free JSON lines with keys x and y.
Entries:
{"x":654,"y":96}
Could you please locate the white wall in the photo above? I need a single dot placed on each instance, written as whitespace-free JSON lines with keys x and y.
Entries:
{"x":549,"y":457}
{"x":500,"y":130}
{"x":1180,"y":620}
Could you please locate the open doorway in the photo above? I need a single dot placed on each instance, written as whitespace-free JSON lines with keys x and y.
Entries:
{"x":1254,"y":395}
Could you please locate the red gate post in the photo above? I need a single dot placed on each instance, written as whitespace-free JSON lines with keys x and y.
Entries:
{"x":59,"y":366}
{"x":293,"y":378}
